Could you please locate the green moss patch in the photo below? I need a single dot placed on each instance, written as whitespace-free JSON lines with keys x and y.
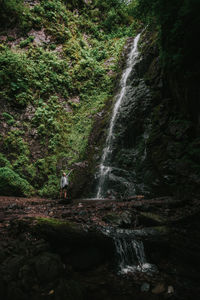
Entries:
{"x":58,"y":71}
{"x":12,"y":184}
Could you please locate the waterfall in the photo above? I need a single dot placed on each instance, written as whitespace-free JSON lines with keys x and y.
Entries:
{"x":130,"y":252}
{"x":130,"y":249}
{"x":132,"y":257}
{"x":105,"y":169}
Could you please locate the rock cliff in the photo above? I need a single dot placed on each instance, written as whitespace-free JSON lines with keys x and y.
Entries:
{"x":156,"y":146}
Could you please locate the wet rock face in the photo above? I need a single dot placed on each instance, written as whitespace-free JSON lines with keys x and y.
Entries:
{"x":155,"y":148}
{"x":129,"y":148}
{"x":156,"y":135}
{"x":42,"y":257}
{"x":71,"y":255}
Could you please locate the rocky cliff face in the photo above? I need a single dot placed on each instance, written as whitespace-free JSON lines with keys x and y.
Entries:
{"x":155,"y":151}
{"x":172,"y":146}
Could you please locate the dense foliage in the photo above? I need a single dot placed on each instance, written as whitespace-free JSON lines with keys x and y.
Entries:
{"x":12,"y":184}
{"x":58,"y":64}
{"x":178,"y":24}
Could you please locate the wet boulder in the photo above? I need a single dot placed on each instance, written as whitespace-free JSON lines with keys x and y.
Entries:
{"x":48,"y":266}
{"x":123,"y":219}
{"x":150,"y":219}
{"x":79,"y":247}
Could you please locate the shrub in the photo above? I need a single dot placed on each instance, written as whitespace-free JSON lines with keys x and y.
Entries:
{"x":14,"y":142}
{"x":171,"y":18}
{"x":3,"y":161}
{"x":49,"y":83}
{"x":51,"y":188}
{"x":26,"y":42}
{"x":14,"y":12}
{"x":11,"y":184}
{"x":8,"y":118}
{"x":10,"y":9}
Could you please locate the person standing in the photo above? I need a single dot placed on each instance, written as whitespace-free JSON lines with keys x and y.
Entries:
{"x":64,"y":182}
{"x":63,"y":186}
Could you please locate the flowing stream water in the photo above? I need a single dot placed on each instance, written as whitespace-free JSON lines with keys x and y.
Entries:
{"x":130,"y":250}
{"x":105,"y":168}
{"x":132,"y":257}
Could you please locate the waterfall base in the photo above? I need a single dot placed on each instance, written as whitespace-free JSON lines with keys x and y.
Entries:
{"x":144,"y":268}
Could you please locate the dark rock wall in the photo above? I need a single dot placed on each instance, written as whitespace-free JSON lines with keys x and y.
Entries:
{"x":173,"y":143}
{"x":156,"y":148}
{"x":170,"y":128}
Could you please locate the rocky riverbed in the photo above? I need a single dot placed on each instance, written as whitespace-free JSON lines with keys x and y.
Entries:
{"x":52,"y":249}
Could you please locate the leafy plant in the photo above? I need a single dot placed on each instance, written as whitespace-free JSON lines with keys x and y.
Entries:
{"x":26,"y":42}
{"x":9,"y":119}
{"x":57,"y":94}
{"x":12,"y":184}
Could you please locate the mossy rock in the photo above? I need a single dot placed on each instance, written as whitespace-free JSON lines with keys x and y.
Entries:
{"x":82,"y":249}
{"x":11,"y":184}
{"x":58,"y":230}
{"x":71,"y":290}
{"x":48,"y":266}
{"x":112,"y":218}
{"x":150,"y":219}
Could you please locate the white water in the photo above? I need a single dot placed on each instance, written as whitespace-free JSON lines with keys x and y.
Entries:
{"x":132,"y":256}
{"x":130,"y":250}
{"x":105,"y":169}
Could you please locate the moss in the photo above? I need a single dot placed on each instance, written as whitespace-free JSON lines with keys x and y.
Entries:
{"x":26,"y":42}
{"x":57,"y":230}
{"x":12,"y":184}
{"x":153,"y":217}
{"x":8,"y":118}
{"x":49,"y":78}
{"x":161,"y":230}
{"x":4,"y":162}
{"x":53,"y":222}
{"x":112,"y":218}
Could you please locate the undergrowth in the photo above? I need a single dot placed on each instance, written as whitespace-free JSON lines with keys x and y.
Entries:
{"x":59,"y":61}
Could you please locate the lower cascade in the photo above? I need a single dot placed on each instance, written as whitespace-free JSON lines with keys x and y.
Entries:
{"x":130,"y":251}
{"x":132,"y":257}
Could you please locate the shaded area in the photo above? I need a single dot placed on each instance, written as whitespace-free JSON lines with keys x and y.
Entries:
{"x":53,"y":250}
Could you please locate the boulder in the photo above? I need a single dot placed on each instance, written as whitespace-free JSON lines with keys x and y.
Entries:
{"x":48,"y":266}
{"x":80,"y":248}
{"x":145,"y":287}
{"x":150,"y":219}
{"x":159,"y":288}
{"x":170,"y":290}
{"x":118,"y":220}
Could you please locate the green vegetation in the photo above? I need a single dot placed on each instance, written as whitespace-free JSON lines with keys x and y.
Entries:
{"x":12,"y":12}
{"x":177,"y":22}
{"x":26,"y":42}
{"x":58,"y":68}
{"x":174,"y":145}
{"x":53,"y":222}
{"x":12,"y":184}
{"x":8,"y":118}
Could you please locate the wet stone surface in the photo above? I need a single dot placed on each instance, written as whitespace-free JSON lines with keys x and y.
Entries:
{"x":50,"y":249}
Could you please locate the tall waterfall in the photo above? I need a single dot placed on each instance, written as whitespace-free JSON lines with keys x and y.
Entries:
{"x":105,"y":169}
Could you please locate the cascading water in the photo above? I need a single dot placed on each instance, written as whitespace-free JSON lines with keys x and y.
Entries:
{"x":105,"y":169}
{"x":132,"y":256}
{"x":130,"y":250}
